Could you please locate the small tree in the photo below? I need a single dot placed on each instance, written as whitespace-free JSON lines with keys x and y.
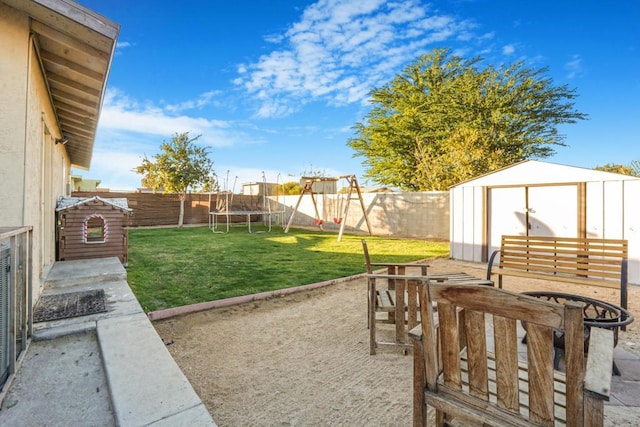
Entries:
{"x":179,"y":166}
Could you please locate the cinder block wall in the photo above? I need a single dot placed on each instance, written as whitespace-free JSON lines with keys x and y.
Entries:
{"x":413,"y":215}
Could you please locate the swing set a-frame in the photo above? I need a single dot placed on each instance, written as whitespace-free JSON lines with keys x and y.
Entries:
{"x":342,"y":203}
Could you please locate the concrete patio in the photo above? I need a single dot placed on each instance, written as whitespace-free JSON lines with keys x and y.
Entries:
{"x":103,"y":369}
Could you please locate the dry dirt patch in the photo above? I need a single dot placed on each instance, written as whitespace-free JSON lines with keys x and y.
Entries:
{"x":304,"y":359}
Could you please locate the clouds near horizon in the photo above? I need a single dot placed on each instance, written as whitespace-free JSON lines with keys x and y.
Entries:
{"x":120,"y":113}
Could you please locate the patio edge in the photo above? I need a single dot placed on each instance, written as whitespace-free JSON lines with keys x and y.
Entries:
{"x":227,"y":302}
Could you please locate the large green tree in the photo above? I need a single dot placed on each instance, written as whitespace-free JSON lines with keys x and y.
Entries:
{"x":444,"y":119}
{"x":179,"y":166}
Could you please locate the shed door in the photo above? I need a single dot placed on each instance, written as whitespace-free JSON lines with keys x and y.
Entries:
{"x":553,"y":211}
{"x":533,"y":211}
{"x":507,"y":214}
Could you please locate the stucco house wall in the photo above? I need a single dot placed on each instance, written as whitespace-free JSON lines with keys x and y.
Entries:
{"x":41,"y":41}
{"x":33,"y":168}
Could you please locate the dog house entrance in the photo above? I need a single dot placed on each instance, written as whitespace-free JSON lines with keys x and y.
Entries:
{"x":95,"y":229}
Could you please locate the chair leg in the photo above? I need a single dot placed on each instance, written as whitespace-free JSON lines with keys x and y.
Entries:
{"x":370,"y":300}
{"x":372,"y":337}
{"x":372,"y":328}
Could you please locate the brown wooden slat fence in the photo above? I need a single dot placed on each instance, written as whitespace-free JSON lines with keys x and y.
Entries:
{"x":163,"y":209}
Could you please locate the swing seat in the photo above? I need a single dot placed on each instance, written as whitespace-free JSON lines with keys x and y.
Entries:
{"x":318,"y":222}
{"x":337,"y":220}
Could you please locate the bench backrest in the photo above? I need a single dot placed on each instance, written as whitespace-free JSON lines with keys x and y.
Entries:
{"x":587,"y":261}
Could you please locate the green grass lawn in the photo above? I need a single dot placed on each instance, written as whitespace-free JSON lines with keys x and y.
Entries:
{"x":171,"y":267}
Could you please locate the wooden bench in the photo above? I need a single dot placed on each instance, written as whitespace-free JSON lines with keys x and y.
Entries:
{"x":584,"y":261}
{"x":467,"y":362}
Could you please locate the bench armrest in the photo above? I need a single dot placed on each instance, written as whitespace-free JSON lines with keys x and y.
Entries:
{"x":416,"y":333}
{"x":398,"y":264}
{"x":398,"y":277}
{"x":597,"y":378}
{"x":490,"y":264}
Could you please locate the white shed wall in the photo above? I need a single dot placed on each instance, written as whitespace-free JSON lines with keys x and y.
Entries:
{"x":466,"y":223}
{"x":595,"y":210}
{"x":631,"y":212}
{"x":456,"y":224}
{"x":613,"y":210}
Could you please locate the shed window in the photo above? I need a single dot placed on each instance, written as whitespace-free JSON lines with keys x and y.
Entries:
{"x":95,"y":229}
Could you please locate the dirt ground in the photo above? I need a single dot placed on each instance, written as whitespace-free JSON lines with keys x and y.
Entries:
{"x":303,"y":359}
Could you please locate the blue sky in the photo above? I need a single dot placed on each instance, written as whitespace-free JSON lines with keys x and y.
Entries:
{"x":275,"y":86}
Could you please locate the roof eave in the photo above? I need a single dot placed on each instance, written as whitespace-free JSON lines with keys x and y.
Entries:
{"x":76,"y":48}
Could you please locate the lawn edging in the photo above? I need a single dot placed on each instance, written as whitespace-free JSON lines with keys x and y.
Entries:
{"x":227,"y":302}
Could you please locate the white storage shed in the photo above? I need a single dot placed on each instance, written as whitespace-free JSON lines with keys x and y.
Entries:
{"x":544,"y":199}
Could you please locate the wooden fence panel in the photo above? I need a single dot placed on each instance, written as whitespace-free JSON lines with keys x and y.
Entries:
{"x":163,"y":209}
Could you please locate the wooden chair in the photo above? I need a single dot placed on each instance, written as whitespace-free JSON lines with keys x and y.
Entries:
{"x":467,"y":364}
{"x":399,"y":300}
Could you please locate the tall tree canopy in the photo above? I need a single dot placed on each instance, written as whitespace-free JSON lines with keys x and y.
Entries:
{"x":444,"y":120}
{"x":180,"y":165}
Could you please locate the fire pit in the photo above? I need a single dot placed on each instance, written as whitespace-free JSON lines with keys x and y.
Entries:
{"x":597,"y":314}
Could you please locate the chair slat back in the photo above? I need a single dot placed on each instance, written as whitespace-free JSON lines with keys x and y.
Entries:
{"x":367,"y":259}
{"x":471,"y":351}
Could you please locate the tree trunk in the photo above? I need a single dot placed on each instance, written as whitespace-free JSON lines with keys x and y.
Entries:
{"x":181,"y":217}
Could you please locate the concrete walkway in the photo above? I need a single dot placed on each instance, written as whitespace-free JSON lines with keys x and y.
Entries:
{"x":103,"y":369}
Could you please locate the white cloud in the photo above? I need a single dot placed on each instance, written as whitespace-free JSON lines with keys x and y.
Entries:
{"x":573,"y":66}
{"x":508,"y":49}
{"x":122,"y":45}
{"x":207,"y":98}
{"x":340,"y":49}
{"x":115,"y":169}
{"x":120,"y":113}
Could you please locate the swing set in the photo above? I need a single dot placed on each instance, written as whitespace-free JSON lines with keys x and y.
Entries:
{"x":341,"y":205}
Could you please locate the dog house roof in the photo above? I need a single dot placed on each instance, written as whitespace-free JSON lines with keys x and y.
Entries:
{"x":69,"y":202}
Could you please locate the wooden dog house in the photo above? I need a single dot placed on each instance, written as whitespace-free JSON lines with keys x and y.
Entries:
{"x":92,"y":227}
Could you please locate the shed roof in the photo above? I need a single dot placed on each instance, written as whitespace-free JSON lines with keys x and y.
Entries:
{"x":537,"y":172}
{"x":69,"y":202}
{"x":75,"y":47}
